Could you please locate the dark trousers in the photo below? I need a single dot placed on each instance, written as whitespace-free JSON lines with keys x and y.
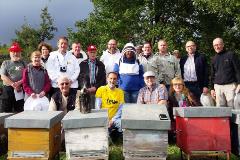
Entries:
{"x":8,"y":101}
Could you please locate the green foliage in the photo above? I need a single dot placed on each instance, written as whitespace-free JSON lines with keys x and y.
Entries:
{"x":150,"y":20}
{"x":29,"y":37}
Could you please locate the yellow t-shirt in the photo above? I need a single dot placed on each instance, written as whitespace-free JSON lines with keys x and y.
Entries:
{"x":111,"y":99}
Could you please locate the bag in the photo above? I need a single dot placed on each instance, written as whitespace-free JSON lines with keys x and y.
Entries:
{"x":37,"y":104}
{"x":207,"y":100}
{"x":237,"y":101}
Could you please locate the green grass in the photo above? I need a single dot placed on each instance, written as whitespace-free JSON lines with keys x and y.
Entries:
{"x":115,"y":153}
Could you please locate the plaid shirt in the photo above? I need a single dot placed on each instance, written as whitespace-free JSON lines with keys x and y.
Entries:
{"x":152,"y":95}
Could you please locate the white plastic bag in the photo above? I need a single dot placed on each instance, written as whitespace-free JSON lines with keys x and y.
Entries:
{"x":237,"y":101}
{"x":207,"y":100}
{"x":37,"y":104}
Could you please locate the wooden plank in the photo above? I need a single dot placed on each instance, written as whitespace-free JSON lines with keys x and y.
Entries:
{"x":28,"y":139}
{"x":55,"y":140}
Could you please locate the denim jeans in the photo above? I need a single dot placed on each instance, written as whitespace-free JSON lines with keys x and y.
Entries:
{"x":130,"y":96}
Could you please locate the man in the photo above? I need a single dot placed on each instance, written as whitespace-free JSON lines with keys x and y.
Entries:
{"x":111,"y":55}
{"x":111,"y":98}
{"x":11,"y":74}
{"x":138,"y":50}
{"x":78,"y":52}
{"x":225,"y":75}
{"x":62,"y":62}
{"x":147,"y":60}
{"x":168,"y":64}
{"x":152,"y":93}
{"x":65,"y":99}
{"x":194,"y":69}
{"x":130,"y":73}
{"x":92,"y":74}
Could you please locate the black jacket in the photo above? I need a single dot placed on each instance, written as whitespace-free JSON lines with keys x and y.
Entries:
{"x":100,"y":74}
{"x":70,"y":101}
{"x":201,"y":68}
{"x":225,"y":68}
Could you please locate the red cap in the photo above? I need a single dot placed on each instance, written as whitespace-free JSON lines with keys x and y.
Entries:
{"x":15,"y":47}
{"x":91,"y":48}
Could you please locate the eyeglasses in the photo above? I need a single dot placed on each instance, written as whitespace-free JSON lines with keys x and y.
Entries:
{"x":64,"y":84}
{"x":178,"y":84}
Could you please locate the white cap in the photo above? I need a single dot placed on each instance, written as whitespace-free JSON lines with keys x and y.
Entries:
{"x":149,"y":74}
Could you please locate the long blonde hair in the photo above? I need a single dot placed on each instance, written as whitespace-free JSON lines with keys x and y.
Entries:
{"x":178,"y":80}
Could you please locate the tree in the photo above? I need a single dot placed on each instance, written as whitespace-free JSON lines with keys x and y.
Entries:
{"x":150,"y":20}
{"x":30,"y":37}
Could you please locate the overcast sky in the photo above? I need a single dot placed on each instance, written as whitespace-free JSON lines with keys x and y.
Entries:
{"x":64,"y":12}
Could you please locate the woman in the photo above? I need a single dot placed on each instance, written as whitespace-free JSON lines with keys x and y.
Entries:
{"x":45,"y":49}
{"x":179,"y":96}
{"x":35,"y":78}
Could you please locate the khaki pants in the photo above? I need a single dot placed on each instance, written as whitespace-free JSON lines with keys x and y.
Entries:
{"x":225,"y":94}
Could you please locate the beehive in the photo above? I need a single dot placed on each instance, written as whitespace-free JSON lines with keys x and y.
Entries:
{"x":86,"y":135}
{"x":34,"y":135}
{"x":145,"y":135}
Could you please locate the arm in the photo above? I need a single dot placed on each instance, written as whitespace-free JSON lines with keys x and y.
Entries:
{"x":52,"y":105}
{"x":25,"y":81}
{"x":98,"y":103}
{"x":52,"y":68}
{"x":163,"y":95}
{"x":118,"y":114}
{"x":140,"y":99}
{"x":177,"y":68}
{"x":76,"y":71}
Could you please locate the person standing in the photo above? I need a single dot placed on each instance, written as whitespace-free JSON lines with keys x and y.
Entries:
{"x":35,"y":78}
{"x":62,"y":62}
{"x":111,"y":55}
{"x":78,"y":52}
{"x":11,"y":74}
{"x":194,"y":69}
{"x":130,"y":73}
{"x":45,"y":49}
{"x":92,"y":74}
{"x":225,"y":74}
{"x":168,"y":64}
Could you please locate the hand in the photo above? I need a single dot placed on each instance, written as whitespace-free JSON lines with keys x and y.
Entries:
{"x":237,"y":89}
{"x":205,"y":90}
{"x":213,"y":94}
{"x":110,"y":123}
{"x":42,"y":94}
{"x":18,"y":89}
{"x":34,"y":95}
{"x":91,"y":90}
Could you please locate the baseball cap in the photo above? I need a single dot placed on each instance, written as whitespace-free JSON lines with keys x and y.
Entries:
{"x":149,"y":74}
{"x":15,"y":47}
{"x":91,"y":48}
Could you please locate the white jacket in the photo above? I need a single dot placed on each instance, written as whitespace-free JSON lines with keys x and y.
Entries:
{"x":56,"y":60}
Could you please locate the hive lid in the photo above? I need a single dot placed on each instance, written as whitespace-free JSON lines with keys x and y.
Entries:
{"x":235,"y":116}
{"x":144,"y":116}
{"x":34,"y":119}
{"x":3,"y":116}
{"x":76,"y":119}
{"x":203,"y":111}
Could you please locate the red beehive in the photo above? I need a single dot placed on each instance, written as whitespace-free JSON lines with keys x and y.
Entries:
{"x":203,"y":130}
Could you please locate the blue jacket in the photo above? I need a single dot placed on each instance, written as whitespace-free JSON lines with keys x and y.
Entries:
{"x":127,"y":81}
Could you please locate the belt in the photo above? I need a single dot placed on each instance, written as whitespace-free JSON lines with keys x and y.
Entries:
{"x":190,"y":82}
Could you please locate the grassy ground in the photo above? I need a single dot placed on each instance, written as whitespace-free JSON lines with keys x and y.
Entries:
{"x":115,"y":153}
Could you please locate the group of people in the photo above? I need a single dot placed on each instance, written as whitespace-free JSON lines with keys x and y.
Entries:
{"x":132,"y":75}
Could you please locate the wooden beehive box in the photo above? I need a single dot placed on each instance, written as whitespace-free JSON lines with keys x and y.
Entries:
{"x":235,"y":132}
{"x":86,"y":135}
{"x":3,"y":133}
{"x":145,"y":136}
{"x":203,"y":130}
{"x":34,"y":135}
